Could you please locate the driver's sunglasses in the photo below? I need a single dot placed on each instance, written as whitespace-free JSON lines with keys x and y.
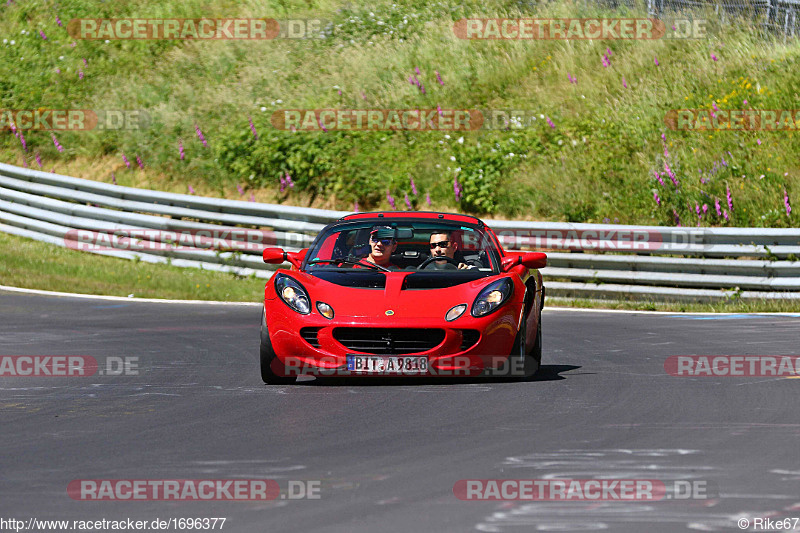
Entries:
{"x":385,"y":242}
{"x":442,"y":244}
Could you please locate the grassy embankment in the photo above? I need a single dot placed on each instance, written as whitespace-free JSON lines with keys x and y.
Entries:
{"x":595,"y":163}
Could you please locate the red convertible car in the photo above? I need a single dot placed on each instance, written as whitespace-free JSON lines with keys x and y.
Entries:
{"x":402,"y":294}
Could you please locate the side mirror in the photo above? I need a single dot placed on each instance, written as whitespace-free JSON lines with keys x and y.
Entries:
{"x":534,"y":259}
{"x":276,"y":256}
{"x":527,"y":259}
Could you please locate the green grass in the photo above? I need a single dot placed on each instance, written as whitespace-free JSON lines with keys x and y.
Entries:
{"x":35,"y":265}
{"x":596,"y":165}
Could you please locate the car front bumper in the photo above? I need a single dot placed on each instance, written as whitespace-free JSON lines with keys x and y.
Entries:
{"x":469,"y":346}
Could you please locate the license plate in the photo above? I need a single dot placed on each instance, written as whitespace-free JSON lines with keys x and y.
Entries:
{"x":387,"y":364}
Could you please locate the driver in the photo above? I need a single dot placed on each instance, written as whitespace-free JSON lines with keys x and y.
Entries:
{"x":442,"y":245}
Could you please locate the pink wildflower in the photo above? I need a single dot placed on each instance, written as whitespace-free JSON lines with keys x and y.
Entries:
{"x":55,"y":142}
{"x":253,"y":127}
{"x":786,"y":202}
{"x":200,"y":135}
{"x":730,"y":198}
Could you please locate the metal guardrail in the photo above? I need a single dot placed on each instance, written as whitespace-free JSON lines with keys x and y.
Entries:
{"x":584,"y":260}
{"x":770,"y":15}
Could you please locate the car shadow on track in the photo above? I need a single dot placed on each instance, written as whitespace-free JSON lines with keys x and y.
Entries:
{"x":545,"y":373}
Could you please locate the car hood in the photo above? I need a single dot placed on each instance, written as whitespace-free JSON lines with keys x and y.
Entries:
{"x":405,"y":294}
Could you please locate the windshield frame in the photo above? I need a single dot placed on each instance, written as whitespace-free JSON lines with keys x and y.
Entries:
{"x":488,"y":240}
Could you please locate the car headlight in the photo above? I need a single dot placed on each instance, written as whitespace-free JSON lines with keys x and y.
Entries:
{"x":492,"y":296}
{"x":293,"y":294}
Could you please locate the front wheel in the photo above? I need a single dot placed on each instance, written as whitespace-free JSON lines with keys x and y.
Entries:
{"x":529,"y":361}
{"x":537,"y":347}
{"x":269,"y":360}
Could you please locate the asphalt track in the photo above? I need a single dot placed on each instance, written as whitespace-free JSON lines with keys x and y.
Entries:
{"x":387,"y":455}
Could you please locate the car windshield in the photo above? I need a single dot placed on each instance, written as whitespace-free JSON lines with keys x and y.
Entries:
{"x":347,"y":247}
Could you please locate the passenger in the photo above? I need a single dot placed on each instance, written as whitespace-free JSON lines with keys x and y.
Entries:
{"x":383,"y":245}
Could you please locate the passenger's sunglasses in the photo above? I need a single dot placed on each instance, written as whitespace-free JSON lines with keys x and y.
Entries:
{"x":442,"y":244}
{"x":385,"y":242}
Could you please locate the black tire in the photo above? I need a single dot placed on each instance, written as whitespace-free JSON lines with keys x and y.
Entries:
{"x":537,"y":347}
{"x":531,"y":361}
{"x":269,"y":360}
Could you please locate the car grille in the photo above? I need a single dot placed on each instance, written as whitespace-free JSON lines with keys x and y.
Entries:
{"x":310,"y":336}
{"x":389,"y":341}
{"x":469,"y":338}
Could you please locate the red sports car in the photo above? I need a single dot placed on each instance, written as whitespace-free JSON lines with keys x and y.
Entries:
{"x":402,"y":294}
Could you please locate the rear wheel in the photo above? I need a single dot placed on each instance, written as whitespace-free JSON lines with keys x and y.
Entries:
{"x":269,"y":360}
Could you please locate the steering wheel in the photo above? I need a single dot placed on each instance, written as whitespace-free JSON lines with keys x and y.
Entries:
{"x":431,"y":259}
